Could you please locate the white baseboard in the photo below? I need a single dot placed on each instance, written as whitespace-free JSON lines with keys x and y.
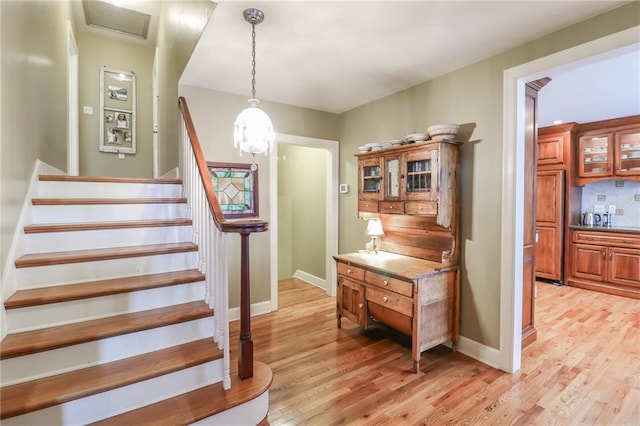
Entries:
{"x":478,"y":351}
{"x":311,"y":279}
{"x":260,"y":308}
{"x":171,"y":174}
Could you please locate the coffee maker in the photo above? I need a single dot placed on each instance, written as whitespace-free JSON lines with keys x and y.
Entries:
{"x":607,"y":219}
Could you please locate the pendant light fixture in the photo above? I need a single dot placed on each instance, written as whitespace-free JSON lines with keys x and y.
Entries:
{"x":253,"y":131}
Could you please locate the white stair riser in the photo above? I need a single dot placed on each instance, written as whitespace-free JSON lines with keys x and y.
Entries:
{"x":36,"y":317}
{"x":85,"y":240}
{"x":44,"y":276}
{"x":107,"y":404}
{"x":51,"y":189}
{"x":107,"y":212}
{"x":251,"y":412}
{"x":56,"y":361}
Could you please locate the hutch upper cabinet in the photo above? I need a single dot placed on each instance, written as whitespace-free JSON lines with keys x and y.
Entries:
{"x":415,"y":179}
{"x":609,"y":149}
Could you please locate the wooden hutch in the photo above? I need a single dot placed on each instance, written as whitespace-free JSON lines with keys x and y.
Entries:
{"x":413,"y":284}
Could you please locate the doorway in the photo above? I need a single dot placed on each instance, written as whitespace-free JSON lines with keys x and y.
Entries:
{"x":330,"y":151}
{"x":513,"y":176}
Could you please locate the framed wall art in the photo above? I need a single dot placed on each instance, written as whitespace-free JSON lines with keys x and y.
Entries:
{"x":117,"y":111}
{"x":236,"y":187}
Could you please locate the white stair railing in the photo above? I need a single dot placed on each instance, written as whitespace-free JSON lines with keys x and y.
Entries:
{"x":210,"y":234}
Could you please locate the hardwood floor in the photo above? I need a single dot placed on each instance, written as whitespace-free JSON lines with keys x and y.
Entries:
{"x":583,"y":369}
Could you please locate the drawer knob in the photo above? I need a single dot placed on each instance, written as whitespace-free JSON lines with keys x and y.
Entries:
{"x":385,"y":299}
{"x":348,"y":271}
{"x":385,"y":282}
{"x":360,"y":305}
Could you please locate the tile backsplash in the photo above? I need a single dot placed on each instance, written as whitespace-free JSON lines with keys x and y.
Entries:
{"x":626,"y":198}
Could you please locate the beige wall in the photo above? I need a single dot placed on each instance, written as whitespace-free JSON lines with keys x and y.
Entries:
{"x":213,"y":115}
{"x":302,"y":206}
{"x":472,"y":97}
{"x":175,"y":44}
{"x":33,"y":115}
{"x":95,"y":51}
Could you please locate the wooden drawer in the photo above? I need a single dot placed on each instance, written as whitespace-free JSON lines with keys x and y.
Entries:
{"x":389,"y":300}
{"x":389,"y":283}
{"x":607,"y":238}
{"x":421,"y":207}
{"x":392,"y":207}
{"x":368,"y":206}
{"x":351,"y":271}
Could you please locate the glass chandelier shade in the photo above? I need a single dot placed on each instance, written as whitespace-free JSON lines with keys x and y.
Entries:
{"x":253,"y":131}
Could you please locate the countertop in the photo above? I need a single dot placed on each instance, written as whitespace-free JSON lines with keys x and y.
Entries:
{"x":626,"y":229}
{"x":410,"y":268}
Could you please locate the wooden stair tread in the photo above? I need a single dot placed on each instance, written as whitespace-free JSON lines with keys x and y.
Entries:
{"x":28,"y":342}
{"x":49,"y":391}
{"x":74,"y":256}
{"x":68,"y":292}
{"x":105,"y":201}
{"x":66,"y":178}
{"x":199,"y":404}
{"x":90,"y":226}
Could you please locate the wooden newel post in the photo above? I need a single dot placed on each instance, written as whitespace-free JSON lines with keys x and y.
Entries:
{"x":245,"y":344}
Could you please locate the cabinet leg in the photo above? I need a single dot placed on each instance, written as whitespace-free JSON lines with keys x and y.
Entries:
{"x":339,"y":322}
{"x":416,"y":366}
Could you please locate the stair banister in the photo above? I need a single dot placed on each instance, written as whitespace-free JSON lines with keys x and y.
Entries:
{"x":207,"y":215}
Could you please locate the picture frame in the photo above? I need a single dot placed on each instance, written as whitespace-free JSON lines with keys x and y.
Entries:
{"x":236,"y":186}
{"x":118,"y":111}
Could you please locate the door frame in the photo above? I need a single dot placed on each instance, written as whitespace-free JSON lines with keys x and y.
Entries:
{"x":73,"y":109}
{"x":154,"y":113}
{"x":332,"y":148}
{"x":514,"y":80}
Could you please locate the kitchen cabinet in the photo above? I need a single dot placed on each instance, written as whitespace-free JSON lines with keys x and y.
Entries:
{"x":606,"y":261}
{"x":417,"y":297}
{"x":609,"y":149}
{"x":557,"y":201}
{"x":413,"y":179}
{"x":550,"y":224}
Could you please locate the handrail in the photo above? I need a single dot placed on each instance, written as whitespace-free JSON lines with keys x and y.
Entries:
{"x":239,"y":226}
{"x":243,"y":227}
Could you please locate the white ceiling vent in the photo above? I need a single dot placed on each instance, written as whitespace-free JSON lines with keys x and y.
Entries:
{"x":107,"y":16}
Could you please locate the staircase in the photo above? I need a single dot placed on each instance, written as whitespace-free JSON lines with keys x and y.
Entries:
{"x":108,"y":323}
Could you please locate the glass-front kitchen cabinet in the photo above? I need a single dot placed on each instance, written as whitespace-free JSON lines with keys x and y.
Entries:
{"x":608,"y":153}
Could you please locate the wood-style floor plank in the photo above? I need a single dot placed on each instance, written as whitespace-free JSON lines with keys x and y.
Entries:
{"x":583,"y":369}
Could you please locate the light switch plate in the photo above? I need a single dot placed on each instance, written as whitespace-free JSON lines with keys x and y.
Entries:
{"x":344,"y":188}
{"x":612,"y":209}
{"x":121,"y":155}
{"x":87,"y":109}
{"x":602,"y":197}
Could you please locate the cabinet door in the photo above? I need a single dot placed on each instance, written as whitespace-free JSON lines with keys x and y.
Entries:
{"x":392,"y":181}
{"x":589,"y":261}
{"x":549,"y":224}
{"x":595,"y":155}
{"x":351,"y":300}
{"x":548,"y":253}
{"x":624,"y":266}
{"x":627,"y":147}
{"x":551,"y":149}
{"x":420,"y":172}
{"x":371,"y":173}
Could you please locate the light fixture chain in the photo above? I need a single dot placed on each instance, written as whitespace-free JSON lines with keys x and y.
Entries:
{"x":253,"y":61}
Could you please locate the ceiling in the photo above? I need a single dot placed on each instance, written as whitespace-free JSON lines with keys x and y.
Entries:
{"x":334,"y":56}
